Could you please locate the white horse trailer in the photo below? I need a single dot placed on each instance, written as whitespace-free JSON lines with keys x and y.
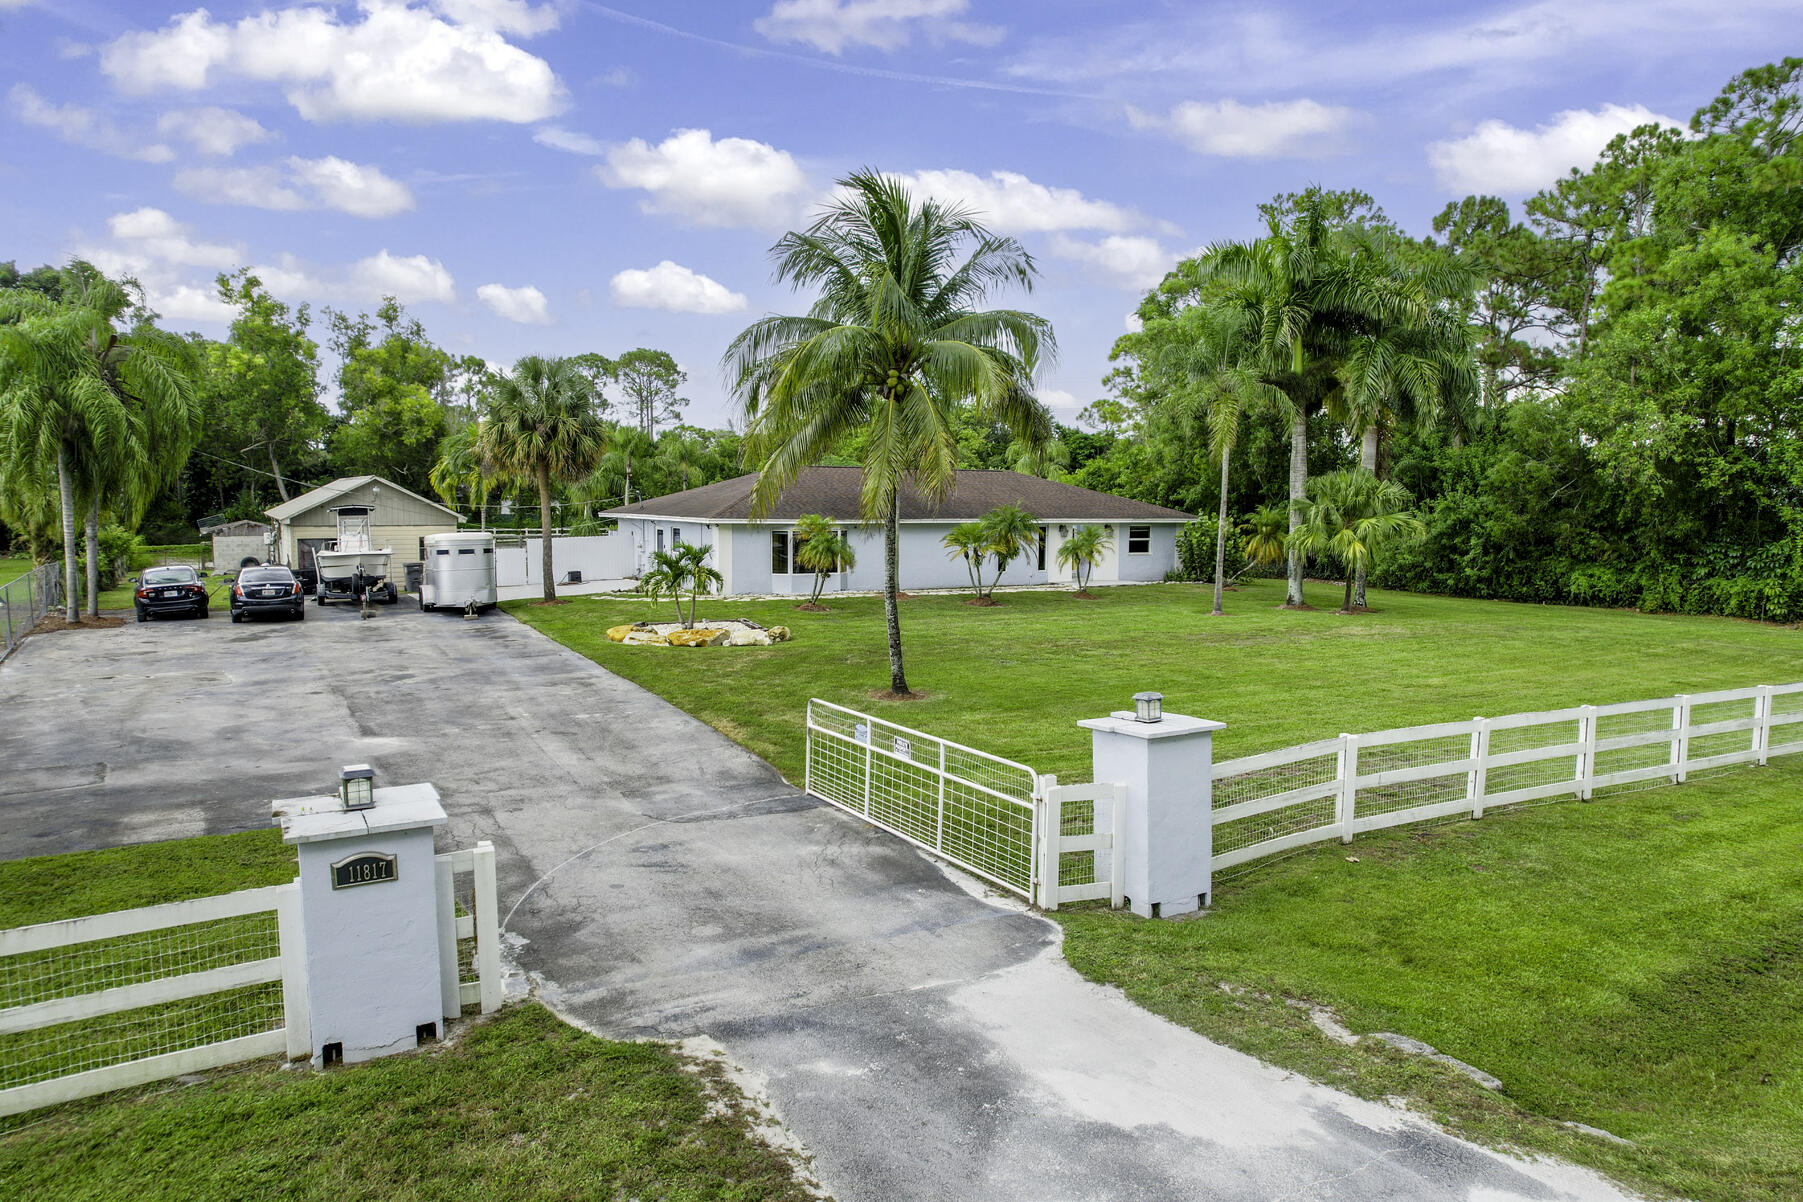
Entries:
{"x":459,"y":571}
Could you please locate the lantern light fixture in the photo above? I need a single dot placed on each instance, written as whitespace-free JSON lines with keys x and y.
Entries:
{"x":357,"y":786}
{"x":1148,"y":707}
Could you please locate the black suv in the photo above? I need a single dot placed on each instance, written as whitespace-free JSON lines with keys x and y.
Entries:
{"x":170,"y":590}
{"x":268,"y":589}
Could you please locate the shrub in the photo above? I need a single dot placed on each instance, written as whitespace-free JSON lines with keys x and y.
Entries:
{"x":1196,"y":553}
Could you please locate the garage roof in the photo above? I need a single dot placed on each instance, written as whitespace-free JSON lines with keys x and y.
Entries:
{"x":833,"y":491}
{"x":338,"y":488}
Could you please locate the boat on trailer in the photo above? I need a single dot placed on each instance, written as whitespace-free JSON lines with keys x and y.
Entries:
{"x":355,"y":569}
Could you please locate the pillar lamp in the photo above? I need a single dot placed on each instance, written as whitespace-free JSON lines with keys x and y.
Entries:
{"x":357,"y":787}
{"x":1148,"y":707}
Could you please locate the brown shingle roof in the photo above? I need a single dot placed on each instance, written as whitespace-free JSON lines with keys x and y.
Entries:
{"x":833,"y":491}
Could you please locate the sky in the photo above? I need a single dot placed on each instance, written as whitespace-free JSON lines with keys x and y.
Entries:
{"x":569,"y":176}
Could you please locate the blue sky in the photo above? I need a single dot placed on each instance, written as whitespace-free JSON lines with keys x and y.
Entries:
{"x":570,"y":176}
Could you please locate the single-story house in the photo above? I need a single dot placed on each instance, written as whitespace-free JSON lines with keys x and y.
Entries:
{"x":758,"y":557}
{"x":398,"y":519}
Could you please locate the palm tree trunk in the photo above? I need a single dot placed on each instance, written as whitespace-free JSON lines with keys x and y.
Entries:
{"x":93,"y":551}
{"x":1346,"y":601}
{"x":544,"y":529}
{"x":1367,"y":461}
{"x":67,"y":487}
{"x":1221,"y":536}
{"x":898,"y":680}
{"x":1298,"y":491}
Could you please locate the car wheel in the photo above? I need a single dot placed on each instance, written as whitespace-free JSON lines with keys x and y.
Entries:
{"x":237,"y":617}
{"x":201,"y":613}
{"x":300,"y":613}
{"x":142,"y":616}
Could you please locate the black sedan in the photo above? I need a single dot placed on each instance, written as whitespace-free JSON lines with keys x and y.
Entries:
{"x":268,"y":589}
{"x":171,"y":590}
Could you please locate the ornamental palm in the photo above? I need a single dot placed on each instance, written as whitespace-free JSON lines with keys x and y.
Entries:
{"x":968,"y":541}
{"x":1008,"y":532}
{"x":1306,"y":300}
{"x":1352,"y":515}
{"x":681,"y":569}
{"x":1083,"y":549}
{"x":1266,"y":533}
{"x":460,"y":469}
{"x":822,"y":550}
{"x":892,"y":348}
{"x":110,"y":416}
{"x":541,"y":426}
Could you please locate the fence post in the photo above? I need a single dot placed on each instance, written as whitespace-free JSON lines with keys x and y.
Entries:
{"x":939,"y":822}
{"x":1476,"y":782}
{"x":1586,"y":766}
{"x":1167,"y":836}
{"x":1762,"y":724}
{"x":296,"y":1021}
{"x":807,"y":750}
{"x":488,"y":927}
{"x":6,"y":606}
{"x":1680,"y":737}
{"x":1346,"y":801}
{"x":31,"y":616}
{"x":1050,"y":812}
{"x":450,"y":995}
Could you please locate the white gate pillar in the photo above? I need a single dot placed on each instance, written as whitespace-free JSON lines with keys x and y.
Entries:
{"x":369,"y":920}
{"x":1168,"y":832}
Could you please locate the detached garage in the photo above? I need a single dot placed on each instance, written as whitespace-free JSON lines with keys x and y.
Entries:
{"x":399,"y":520}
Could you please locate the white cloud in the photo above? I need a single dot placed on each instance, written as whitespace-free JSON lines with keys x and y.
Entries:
{"x":1125,"y":260}
{"x":568,"y":139}
{"x":1009,"y":201}
{"x":525,"y":305}
{"x":411,"y":279}
{"x":1275,"y":129}
{"x":158,"y":251}
{"x":396,"y":62}
{"x":327,"y":183}
{"x":673,"y":287}
{"x":214,"y":131}
{"x":731,"y":182}
{"x":158,"y":235}
{"x":1063,"y":405}
{"x":834,"y":25}
{"x":82,"y":126}
{"x":1497,"y":157}
{"x":504,"y":16}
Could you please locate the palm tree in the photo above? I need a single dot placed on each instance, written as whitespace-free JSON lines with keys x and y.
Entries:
{"x":1040,"y":461}
{"x":1008,"y":532}
{"x":1306,"y":300}
{"x":822,"y":549}
{"x":1352,"y":515}
{"x":1267,"y":531}
{"x":892,"y":348}
{"x":683,"y":568}
{"x":970,"y":542}
{"x":629,"y":449}
{"x":460,"y":469}
{"x":109,"y":415}
{"x":682,"y":455}
{"x":1082,"y":550}
{"x":664,"y":579}
{"x":541,"y":426}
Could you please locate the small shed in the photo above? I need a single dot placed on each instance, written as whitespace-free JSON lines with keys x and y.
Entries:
{"x":235,"y":541}
{"x":400,"y":520}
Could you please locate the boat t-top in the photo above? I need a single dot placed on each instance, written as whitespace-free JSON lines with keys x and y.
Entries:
{"x":355,"y":568}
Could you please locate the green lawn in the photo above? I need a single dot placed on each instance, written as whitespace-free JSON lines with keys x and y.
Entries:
{"x":1630,"y":963}
{"x":519,"y":1106}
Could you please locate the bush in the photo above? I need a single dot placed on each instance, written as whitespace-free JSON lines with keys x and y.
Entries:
{"x":121,"y":550}
{"x":1196,"y":553}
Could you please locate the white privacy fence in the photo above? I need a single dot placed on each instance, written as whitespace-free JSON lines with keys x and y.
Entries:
{"x":25,"y":601}
{"x":975,"y":809}
{"x":1338,"y":788}
{"x":108,"y":1001}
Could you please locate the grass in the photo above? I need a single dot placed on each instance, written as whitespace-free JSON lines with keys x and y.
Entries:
{"x":519,"y":1106}
{"x":1631,"y":963}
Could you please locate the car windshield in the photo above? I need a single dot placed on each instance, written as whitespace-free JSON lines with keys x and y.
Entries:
{"x":266,"y":576}
{"x":169,"y":576}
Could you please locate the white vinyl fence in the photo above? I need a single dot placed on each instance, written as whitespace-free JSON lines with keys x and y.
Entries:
{"x":1338,"y":788}
{"x":93,"y":1004}
{"x":25,"y":601}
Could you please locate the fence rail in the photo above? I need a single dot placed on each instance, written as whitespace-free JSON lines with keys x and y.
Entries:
{"x":975,"y":809}
{"x":25,"y":601}
{"x":1338,"y":788}
{"x":469,"y":930}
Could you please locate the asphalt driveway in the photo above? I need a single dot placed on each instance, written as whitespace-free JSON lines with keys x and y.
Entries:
{"x":921,"y":1039}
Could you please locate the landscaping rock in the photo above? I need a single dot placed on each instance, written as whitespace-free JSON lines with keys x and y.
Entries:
{"x":696,"y":638}
{"x":645,"y":638}
{"x":780,"y":634}
{"x":618,"y":633}
{"x":742,"y":637}
{"x":1416,"y":1047}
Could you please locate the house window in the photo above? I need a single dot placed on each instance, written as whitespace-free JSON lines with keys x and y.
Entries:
{"x":1139,"y":540}
{"x":1042,"y":541}
{"x":779,"y":552}
{"x":676,"y":535}
{"x":660,"y":538}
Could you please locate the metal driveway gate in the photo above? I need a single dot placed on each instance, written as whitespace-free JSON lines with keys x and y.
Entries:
{"x":977,"y":810}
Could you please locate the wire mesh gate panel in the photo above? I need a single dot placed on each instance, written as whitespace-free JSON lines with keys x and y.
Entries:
{"x":93,"y":1004}
{"x":25,"y":601}
{"x":974,"y":809}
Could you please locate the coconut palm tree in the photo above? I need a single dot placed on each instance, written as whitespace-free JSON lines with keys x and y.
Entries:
{"x":1306,"y":300}
{"x":1081,"y":551}
{"x":1267,"y":531}
{"x":540,"y":426}
{"x":1008,"y":533}
{"x":891,"y":349}
{"x":822,"y":549}
{"x":1352,"y":515}
{"x":109,"y":414}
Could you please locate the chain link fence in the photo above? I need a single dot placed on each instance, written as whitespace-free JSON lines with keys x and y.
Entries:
{"x":25,"y":601}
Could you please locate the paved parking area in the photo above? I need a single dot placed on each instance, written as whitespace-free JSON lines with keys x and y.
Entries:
{"x":922,"y":1040}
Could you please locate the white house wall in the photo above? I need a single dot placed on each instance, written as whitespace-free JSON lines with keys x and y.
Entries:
{"x":597,"y":557}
